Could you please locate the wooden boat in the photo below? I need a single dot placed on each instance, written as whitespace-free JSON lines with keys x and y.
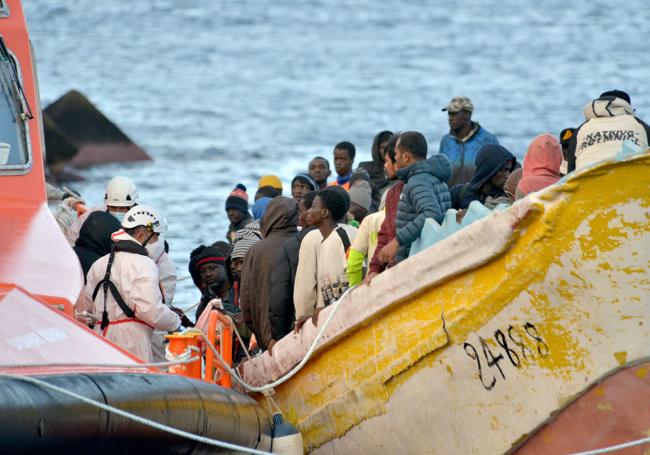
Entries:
{"x":42,"y":346}
{"x":526,"y":331}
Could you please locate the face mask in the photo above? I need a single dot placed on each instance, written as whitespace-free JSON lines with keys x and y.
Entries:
{"x":118,"y":215}
{"x":156,"y":249}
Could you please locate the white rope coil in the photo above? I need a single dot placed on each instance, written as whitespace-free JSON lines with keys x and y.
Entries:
{"x":183,"y":356}
{"x":295,"y":369}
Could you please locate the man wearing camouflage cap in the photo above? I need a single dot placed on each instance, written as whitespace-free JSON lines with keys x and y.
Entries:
{"x":464,"y":140}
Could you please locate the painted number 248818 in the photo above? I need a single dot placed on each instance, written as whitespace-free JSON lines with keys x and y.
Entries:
{"x":517,"y":348}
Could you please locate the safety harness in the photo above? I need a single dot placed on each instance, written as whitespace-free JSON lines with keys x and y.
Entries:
{"x":126,"y":246}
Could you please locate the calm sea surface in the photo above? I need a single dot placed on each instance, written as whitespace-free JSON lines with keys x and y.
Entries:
{"x":222,"y":92}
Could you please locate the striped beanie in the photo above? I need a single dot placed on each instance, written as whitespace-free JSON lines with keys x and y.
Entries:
{"x":244,"y":239}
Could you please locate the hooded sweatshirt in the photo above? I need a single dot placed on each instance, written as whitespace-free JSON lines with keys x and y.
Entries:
{"x":610,"y":121}
{"x":541,"y":164}
{"x":260,"y":207}
{"x":95,"y":238}
{"x":425,"y":195}
{"x":283,"y":279}
{"x":375,"y":168}
{"x":490,"y":160}
{"x":278,"y":225}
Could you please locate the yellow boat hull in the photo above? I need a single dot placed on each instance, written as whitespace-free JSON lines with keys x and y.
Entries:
{"x":473,"y":344}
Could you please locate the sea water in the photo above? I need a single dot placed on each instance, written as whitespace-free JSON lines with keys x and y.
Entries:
{"x":220,"y":92}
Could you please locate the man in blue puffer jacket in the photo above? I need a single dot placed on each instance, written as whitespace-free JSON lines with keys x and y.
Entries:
{"x":464,"y":140}
{"x":425,"y":193}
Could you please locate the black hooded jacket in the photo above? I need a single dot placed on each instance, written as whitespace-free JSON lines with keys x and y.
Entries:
{"x":95,"y":238}
{"x":375,"y":168}
{"x":490,"y":160}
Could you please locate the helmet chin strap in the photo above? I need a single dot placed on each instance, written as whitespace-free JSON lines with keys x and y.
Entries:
{"x":148,"y":238}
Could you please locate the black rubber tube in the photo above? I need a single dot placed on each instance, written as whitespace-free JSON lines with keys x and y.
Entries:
{"x":34,"y":419}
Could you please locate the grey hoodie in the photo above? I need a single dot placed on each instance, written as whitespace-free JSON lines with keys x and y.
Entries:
{"x":425,"y":195}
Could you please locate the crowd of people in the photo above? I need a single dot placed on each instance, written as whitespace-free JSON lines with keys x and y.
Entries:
{"x":286,"y":257}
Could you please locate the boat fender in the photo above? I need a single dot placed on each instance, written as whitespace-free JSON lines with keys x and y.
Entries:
{"x":287,"y":440}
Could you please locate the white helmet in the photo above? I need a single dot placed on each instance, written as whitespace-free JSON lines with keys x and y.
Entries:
{"x":143,"y":215}
{"x":121,"y":192}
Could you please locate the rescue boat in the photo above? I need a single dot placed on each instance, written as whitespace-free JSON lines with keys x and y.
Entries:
{"x":64,"y":387}
{"x":526,"y":331}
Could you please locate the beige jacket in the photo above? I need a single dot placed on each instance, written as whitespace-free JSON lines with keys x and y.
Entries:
{"x":322,"y":266}
{"x":305,"y":290}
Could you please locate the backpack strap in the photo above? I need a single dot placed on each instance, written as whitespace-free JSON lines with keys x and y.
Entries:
{"x":344,"y":238}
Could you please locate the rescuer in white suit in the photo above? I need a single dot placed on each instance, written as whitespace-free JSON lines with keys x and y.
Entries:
{"x":123,"y":289}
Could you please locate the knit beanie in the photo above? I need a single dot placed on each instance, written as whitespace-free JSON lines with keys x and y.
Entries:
{"x":307,"y":180}
{"x":238,"y":199}
{"x":270,"y":180}
{"x":361,"y":194}
{"x":244,"y":239}
{"x":205,"y":255}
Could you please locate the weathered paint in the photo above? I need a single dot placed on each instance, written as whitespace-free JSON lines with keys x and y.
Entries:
{"x":404,"y":378}
{"x":610,"y":413}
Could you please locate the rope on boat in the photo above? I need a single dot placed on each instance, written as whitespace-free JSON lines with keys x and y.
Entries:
{"x":136,"y":418}
{"x":184,"y":356}
{"x":268,"y":387}
{"x":609,"y":449}
{"x":271,"y":402}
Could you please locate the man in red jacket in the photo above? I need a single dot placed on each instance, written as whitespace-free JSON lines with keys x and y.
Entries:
{"x":387,"y":231}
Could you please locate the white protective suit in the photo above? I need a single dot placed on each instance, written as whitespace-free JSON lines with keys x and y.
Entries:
{"x":167,"y":271}
{"x":137,"y":280}
{"x":166,"y":267}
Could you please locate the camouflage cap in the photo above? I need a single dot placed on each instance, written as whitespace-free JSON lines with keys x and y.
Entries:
{"x":459,"y":103}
